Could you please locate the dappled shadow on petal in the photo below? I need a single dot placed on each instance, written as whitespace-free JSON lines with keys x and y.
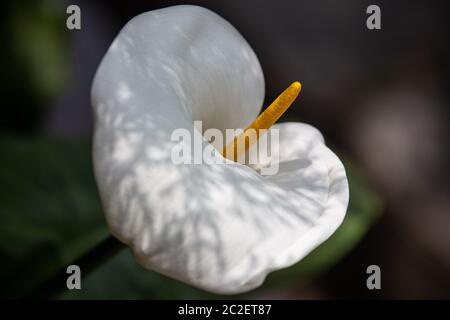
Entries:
{"x":218,"y":227}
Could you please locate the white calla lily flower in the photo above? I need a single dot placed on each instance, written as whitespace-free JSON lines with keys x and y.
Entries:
{"x":221,"y":228}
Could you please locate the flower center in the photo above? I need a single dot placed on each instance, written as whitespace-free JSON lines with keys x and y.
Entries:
{"x":264,"y":121}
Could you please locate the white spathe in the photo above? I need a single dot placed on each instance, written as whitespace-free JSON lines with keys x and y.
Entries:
{"x":222,"y":228}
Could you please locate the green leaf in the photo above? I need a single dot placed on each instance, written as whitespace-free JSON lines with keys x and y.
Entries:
{"x":49,"y":210}
{"x":123,"y":278}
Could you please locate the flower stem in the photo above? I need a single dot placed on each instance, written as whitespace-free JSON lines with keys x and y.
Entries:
{"x":88,"y":262}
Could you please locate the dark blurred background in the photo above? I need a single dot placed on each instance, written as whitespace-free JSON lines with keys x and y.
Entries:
{"x":380,"y":97}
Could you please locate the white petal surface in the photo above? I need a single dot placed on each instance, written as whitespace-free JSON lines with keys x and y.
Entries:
{"x":218,"y":227}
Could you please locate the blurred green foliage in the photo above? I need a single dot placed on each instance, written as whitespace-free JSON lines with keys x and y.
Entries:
{"x":49,"y":210}
{"x":34,"y":59}
{"x":50,"y":215}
